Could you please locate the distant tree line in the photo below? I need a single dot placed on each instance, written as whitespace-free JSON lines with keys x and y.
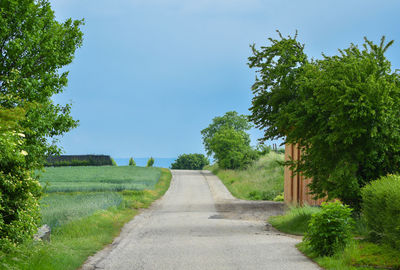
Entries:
{"x":79,"y":160}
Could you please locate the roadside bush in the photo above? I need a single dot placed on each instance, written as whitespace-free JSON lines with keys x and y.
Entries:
{"x":279,"y":198}
{"x":132,"y":162}
{"x":19,"y":193}
{"x":381,"y":210}
{"x":190,"y":162}
{"x":330,"y":229}
{"x":150,"y":162}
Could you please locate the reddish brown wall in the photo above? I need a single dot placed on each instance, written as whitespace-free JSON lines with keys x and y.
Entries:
{"x":296,"y":191}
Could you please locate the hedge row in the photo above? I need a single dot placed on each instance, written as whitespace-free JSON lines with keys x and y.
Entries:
{"x":381,"y":209}
{"x":79,"y":160}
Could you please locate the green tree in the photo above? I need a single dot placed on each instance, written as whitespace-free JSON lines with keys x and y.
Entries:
{"x":190,"y":162}
{"x":150,"y":162}
{"x":342,"y":110}
{"x":231,"y":148}
{"x":34,"y":47}
{"x":132,"y":162}
{"x":230,"y":119}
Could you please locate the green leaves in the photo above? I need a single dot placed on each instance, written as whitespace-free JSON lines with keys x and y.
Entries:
{"x":330,"y":229}
{"x":33,"y":49}
{"x":230,"y":120}
{"x":342,"y":110}
{"x":190,"y":162}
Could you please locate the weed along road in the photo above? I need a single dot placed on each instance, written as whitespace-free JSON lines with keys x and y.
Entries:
{"x":199,"y":225}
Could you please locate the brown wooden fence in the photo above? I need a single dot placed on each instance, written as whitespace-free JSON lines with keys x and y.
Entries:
{"x":296,"y":191}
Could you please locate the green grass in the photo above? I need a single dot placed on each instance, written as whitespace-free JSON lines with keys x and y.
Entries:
{"x":357,"y":255}
{"x":295,"y":220}
{"x":101,"y":178}
{"x":59,"y":209}
{"x":74,"y":241}
{"x":263,"y":180}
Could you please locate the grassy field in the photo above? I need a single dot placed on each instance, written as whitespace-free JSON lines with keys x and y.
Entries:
{"x":59,"y":209}
{"x":88,"y":222}
{"x":263,"y":180}
{"x":99,"y":178}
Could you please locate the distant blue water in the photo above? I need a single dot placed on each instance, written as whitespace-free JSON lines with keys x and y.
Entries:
{"x":158,"y":162}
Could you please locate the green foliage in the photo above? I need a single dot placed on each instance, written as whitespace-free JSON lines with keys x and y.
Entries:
{"x":34,"y":48}
{"x":190,"y":162}
{"x":132,"y":162}
{"x":102,"y":178}
{"x":59,"y":209}
{"x":19,"y":190}
{"x":263,"y":149}
{"x":113,"y":163}
{"x":279,"y":198}
{"x":381,"y":210}
{"x":330,"y":229}
{"x":231,"y":148}
{"x":150,"y":162}
{"x":230,"y":120}
{"x":342,"y":110}
{"x":263,"y":177}
{"x":295,"y":220}
{"x":357,"y":255}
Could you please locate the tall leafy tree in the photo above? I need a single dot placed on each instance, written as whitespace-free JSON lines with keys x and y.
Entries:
{"x":33,"y":49}
{"x":230,"y":120}
{"x":342,"y":110}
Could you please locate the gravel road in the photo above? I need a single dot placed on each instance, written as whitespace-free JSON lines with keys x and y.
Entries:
{"x":199,"y":225}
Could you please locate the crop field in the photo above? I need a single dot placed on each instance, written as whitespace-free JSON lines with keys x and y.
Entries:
{"x":104,"y":178}
{"x":59,"y":209}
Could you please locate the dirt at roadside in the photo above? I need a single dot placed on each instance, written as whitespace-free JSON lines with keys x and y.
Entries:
{"x":229,"y":207}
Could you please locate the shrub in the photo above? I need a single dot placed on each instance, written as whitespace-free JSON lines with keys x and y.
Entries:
{"x":330,"y":229}
{"x":19,"y":192}
{"x":132,"y":162}
{"x":113,"y":162}
{"x":279,"y":198}
{"x":150,"y":162}
{"x":190,"y":162}
{"x":381,"y":209}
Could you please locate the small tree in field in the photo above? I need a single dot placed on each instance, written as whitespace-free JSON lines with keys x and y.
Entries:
{"x":342,"y":110}
{"x":150,"y":162}
{"x":132,"y":162}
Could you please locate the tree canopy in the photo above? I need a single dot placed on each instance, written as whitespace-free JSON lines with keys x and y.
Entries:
{"x":33,"y":49}
{"x":342,"y":110}
{"x":230,"y":119}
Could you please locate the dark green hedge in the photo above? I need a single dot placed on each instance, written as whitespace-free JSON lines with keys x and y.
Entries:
{"x":78,"y":160}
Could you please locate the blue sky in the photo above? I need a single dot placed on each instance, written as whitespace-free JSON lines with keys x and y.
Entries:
{"x":151,"y":74}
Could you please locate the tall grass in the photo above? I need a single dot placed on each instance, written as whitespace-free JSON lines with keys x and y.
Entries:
{"x":59,"y":209}
{"x":262,"y":180}
{"x":295,"y":220}
{"x":104,"y":178}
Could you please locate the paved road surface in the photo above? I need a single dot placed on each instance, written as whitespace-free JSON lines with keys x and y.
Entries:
{"x":184,"y":230}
